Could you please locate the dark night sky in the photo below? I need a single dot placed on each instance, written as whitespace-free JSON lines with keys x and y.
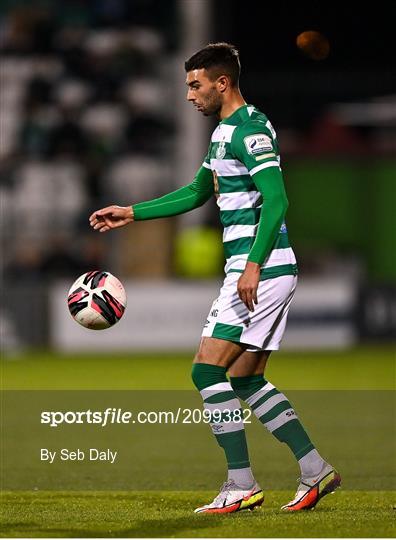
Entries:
{"x":277,"y":75}
{"x":360,"y":35}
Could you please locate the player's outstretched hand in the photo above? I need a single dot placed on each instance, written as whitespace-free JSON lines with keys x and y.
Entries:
{"x":111,"y":217}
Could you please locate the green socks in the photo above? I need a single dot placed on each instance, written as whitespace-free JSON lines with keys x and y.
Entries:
{"x":226,"y":420}
{"x":269,"y":405}
{"x":274,"y":411}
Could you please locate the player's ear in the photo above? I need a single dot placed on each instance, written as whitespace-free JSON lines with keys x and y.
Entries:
{"x":222,"y":83}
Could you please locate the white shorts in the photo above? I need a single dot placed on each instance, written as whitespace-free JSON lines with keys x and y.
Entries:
{"x":261,"y":329}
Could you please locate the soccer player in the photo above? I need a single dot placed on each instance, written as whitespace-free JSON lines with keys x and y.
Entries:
{"x":247,"y":321}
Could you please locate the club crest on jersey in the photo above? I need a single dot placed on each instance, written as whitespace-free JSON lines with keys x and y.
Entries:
{"x":221,"y":150}
{"x":257,"y":144}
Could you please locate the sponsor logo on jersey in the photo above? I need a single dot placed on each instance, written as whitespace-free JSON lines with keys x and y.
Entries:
{"x":221,"y":150}
{"x":258,"y":144}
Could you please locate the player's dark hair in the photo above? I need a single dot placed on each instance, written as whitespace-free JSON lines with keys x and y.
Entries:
{"x":218,"y":59}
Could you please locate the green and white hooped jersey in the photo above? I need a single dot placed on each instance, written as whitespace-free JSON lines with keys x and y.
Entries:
{"x":242,"y":145}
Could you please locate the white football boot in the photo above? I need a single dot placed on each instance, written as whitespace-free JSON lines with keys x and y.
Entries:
{"x":232,"y":499}
{"x":311,"y":490}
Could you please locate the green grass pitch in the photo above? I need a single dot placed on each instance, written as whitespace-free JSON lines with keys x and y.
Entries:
{"x":168,"y":514}
{"x":165,"y":513}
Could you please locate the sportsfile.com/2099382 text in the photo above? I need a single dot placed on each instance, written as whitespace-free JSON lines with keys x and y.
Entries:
{"x":114,"y":415}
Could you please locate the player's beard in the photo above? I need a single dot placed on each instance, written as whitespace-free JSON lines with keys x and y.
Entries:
{"x":212,"y":105}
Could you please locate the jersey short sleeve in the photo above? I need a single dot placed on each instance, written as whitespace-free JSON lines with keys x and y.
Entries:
{"x":255,"y":145}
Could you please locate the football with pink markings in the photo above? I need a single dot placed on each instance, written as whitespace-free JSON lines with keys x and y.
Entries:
{"x":97,"y":300}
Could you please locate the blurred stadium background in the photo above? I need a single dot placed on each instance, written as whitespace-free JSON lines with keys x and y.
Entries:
{"x":93,"y":112}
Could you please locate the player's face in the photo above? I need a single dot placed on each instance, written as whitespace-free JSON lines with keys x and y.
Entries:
{"x":203,"y":93}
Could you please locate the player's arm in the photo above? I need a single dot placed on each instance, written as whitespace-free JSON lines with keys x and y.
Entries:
{"x":255,"y":146}
{"x":270,"y":184}
{"x":180,"y":201}
{"x":177,"y":202}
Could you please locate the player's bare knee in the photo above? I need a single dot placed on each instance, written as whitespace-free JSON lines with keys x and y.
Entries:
{"x":217,"y":352}
{"x":198,"y":358}
{"x":205,"y":353}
